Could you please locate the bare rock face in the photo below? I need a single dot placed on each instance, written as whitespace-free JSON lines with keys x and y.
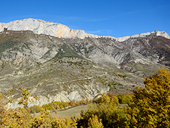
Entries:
{"x":62,"y":31}
{"x":156,"y":33}
{"x":43,"y":27}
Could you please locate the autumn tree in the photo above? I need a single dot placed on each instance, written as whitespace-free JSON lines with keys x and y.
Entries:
{"x":151,"y":105}
{"x":94,"y":122}
{"x":25,"y":98}
{"x":2,"y":104}
{"x":104,"y":113}
{"x":15,"y":118}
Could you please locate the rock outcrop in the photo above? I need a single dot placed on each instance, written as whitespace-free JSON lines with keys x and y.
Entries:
{"x":62,"y":31}
{"x":43,"y":27}
{"x":156,"y":33}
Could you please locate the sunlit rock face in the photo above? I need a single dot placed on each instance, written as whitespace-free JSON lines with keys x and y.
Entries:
{"x":156,"y":33}
{"x":62,"y":31}
{"x":43,"y":27}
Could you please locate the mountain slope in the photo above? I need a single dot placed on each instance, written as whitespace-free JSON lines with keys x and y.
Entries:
{"x":64,"y":69}
{"x":56,"y":68}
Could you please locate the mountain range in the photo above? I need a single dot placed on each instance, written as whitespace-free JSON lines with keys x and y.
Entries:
{"x":55,"y":62}
{"x":62,"y":31}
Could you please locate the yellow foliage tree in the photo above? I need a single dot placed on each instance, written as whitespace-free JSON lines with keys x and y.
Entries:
{"x":94,"y":122}
{"x":15,"y":118}
{"x":25,"y":98}
{"x":151,"y":105}
{"x":2,"y":104}
{"x":106,"y":114}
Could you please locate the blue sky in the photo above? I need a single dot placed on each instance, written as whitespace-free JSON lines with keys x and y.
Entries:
{"x":101,"y":17}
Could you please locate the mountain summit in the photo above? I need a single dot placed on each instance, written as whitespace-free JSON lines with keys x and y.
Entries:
{"x":62,"y":31}
{"x":43,"y":27}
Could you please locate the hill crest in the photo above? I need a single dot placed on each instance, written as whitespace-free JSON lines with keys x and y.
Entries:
{"x":62,"y":31}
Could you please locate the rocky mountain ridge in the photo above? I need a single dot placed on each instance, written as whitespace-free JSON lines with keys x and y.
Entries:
{"x":146,"y":50}
{"x":63,"y":69}
{"x":43,"y":27}
{"x":156,"y":33}
{"x":62,"y":31}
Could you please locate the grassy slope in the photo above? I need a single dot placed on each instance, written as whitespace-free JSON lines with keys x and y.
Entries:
{"x":71,"y":112}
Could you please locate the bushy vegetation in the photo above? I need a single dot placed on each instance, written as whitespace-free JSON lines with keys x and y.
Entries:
{"x":151,"y":105}
{"x":107,"y":112}
{"x":55,"y":105}
{"x":7,"y":44}
{"x":148,"y":107}
{"x":66,"y":51}
{"x":114,"y":83}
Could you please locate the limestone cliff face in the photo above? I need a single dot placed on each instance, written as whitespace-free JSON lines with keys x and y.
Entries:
{"x":156,"y":33}
{"x":43,"y":27}
{"x":62,"y":31}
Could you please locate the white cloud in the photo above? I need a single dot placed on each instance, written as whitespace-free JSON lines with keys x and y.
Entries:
{"x":94,"y":32}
